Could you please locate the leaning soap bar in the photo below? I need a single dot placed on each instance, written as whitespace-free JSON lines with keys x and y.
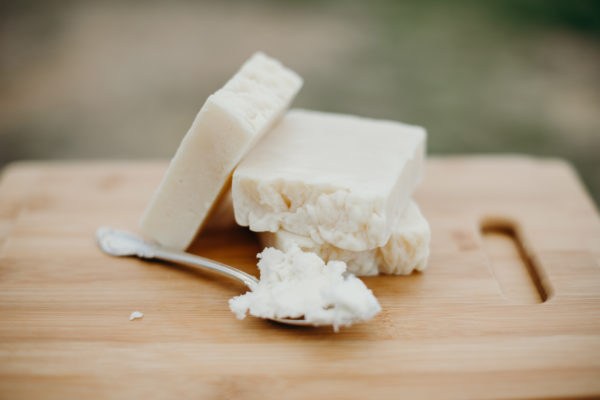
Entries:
{"x":406,"y":251}
{"x":337,"y":179}
{"x":229,"y":123}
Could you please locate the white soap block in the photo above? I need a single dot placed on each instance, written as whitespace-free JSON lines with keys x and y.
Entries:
{"x":338,"y":179}
{"x":229,"y":123}
{"x":406,"y":251}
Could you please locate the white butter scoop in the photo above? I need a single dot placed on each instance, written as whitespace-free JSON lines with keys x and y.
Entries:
{"x":298,"y":284}
{"x":119,"y":243}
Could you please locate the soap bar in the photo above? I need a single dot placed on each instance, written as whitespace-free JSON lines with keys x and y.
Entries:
{"x":229,"y":123}
{"x":407,"y":249}
{"x":297,"y":284}
{"x":337,"y":179}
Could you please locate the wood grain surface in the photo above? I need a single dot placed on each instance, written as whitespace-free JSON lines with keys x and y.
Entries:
{"x":508,"y":308}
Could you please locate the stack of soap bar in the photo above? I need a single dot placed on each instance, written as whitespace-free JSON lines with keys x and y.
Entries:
{"x":338,"y":182}
{"x":230,"y":122}
{"x":339,"y":186}
{"x":406,"y":250}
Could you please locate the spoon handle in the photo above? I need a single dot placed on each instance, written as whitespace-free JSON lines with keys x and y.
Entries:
{"x":120,"y":243}
{"x":180,"y":257}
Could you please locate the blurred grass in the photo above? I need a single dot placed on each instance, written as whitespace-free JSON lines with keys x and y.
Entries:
{"x":124,"y":79}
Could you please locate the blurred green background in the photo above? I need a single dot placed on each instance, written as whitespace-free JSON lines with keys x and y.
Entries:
{"x":124,"y":79}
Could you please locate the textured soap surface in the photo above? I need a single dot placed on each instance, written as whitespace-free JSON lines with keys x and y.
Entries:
{"x":298,"y":284}
{"x":407,"y":249}
{"x":337,"y":179}
{"x":228,"y":125}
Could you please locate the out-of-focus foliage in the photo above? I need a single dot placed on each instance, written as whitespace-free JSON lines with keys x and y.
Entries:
{"x":123,"y":79}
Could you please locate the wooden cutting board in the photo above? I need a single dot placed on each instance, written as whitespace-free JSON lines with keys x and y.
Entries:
{"x":509,"y":307}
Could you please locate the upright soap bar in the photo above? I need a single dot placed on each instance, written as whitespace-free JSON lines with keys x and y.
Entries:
{"x":406,"y":251}
{"x":338,"y":179}
{"x":229,"y":123}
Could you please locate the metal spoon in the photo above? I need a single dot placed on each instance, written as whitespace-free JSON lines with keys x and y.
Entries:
{"x":123,"y":244}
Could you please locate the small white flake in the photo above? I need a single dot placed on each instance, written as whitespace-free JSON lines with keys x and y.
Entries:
{"x":136,"y":315}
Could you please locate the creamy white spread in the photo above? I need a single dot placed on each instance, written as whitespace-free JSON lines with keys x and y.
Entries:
{"x":297,"y":284}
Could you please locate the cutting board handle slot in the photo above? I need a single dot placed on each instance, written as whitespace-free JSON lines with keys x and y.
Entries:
{"x":518,"y":275}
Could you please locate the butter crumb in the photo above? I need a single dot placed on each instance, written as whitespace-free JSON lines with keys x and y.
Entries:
{"x":136,"y":315}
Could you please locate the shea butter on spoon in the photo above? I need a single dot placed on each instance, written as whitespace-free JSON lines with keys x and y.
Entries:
{"x":298,"y":284}
{"x":295,"y":288}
